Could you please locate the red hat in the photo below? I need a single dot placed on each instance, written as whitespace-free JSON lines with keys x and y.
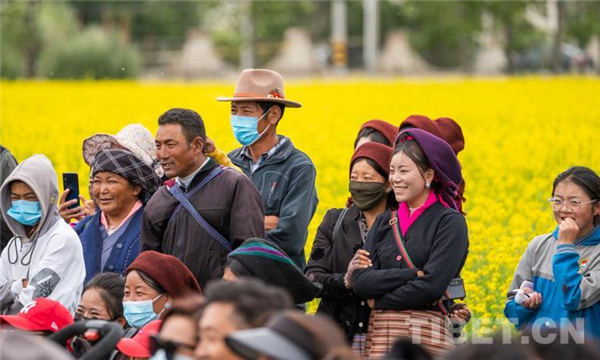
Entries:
{"x":139,"y":345}
{"x":444,"y":128}
{"x":377,"y":152}
{"x":168,"y":271}
{"x":386,"y":129}
{"x":40,"y":315}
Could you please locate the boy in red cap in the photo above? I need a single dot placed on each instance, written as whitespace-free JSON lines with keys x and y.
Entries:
{"x":44,"y":316}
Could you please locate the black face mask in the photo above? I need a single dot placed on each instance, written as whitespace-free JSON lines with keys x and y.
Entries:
{"x":366,"y":195}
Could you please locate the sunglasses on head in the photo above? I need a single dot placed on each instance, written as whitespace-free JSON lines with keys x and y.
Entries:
{"x":170,"y":347}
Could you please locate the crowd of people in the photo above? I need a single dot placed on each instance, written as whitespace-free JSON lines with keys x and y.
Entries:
{"x":199,"y":254}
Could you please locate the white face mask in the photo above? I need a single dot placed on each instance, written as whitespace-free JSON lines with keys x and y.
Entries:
{"x":161,"y":354}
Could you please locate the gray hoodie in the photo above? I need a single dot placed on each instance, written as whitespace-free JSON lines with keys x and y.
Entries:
{"x":51,"y":259}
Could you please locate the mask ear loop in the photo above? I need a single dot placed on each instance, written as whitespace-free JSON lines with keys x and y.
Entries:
{"x":165,"y":306}
{"x":268,"y":126}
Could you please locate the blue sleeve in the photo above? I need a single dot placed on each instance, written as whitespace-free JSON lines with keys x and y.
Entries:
{"x":565,"y":266}
{"x":81,"y":225}
{"x":297,"y":209}
{"x":517,"y":314}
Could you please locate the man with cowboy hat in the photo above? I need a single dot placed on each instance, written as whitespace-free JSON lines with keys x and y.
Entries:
{"x":284,"y":175}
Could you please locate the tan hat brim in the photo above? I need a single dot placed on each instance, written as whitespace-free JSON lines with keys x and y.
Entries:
{"x":95,"y":143}
{"x":287,"y":103}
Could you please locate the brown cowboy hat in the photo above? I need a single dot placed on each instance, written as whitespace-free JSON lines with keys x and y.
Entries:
{"x":260,"y":85}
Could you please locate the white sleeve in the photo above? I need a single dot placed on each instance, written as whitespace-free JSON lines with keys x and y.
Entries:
{"x":60,"y":272}
{"x":6,"y":295}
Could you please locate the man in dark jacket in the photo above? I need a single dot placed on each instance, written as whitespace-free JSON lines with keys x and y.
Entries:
{"x":284,"y":175}
{"x":205,"y":210}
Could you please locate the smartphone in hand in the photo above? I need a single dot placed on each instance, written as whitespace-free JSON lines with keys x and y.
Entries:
{"x":71,"y":182}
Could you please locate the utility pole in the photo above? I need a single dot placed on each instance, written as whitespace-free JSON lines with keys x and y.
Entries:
{"x":339,"y":35}
{"x":247,"y":27}
{"x":370,"y":34}
{"x":558,"y":36}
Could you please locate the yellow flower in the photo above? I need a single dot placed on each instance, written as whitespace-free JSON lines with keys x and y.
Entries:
{"x":520,"y":133}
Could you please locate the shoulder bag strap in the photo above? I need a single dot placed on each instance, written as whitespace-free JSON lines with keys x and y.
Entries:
{"x":338,"y":224}
{"x":185,"y":202}
{"x":399,"y":242}
{"x":407,"y":260}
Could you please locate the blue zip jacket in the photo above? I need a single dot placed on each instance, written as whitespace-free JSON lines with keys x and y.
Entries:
{"x":125,"y":250}
{"x":286,"y":182}
{"x":568,"y":278}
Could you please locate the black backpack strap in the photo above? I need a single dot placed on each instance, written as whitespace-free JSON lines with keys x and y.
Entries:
{"x":338,"y":224}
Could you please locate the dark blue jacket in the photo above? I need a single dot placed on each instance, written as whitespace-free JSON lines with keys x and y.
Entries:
{"x":125,"y":250}
{"x":286,"y":182}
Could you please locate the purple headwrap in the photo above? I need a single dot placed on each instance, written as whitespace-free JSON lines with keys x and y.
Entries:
{"x":442,"y":160}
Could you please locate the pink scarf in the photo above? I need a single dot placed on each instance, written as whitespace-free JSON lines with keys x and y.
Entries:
{"x":104,"y":221}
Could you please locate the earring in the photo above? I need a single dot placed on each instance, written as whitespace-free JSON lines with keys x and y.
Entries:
{"x":427,"y":185}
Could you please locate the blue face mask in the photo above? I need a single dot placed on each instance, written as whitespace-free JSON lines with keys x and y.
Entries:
{"x":245,"y":128}
{"x":26,"y":212}
{"x":139,"y":313}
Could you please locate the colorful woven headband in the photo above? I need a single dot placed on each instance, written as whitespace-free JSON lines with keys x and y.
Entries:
{"x":262,"y":250}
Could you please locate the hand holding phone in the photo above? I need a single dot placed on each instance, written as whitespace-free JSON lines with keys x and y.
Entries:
{"x":71,"y":182}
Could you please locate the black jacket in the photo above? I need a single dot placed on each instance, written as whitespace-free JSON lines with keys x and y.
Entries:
{"x":229,"y":203}
{"x":328,"y":264}
{"x":286,"y":183}
{"x":437,"y":243}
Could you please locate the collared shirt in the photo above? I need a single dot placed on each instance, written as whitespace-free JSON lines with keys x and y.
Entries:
{"x":111,"y":229}
{"x":255,"y":165}
{"x":186,"y":181}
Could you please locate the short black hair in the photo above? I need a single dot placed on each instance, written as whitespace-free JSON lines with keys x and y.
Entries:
{"x":111,"y":288}
{"x":190,"y":121}
{"x":253,"y":300}
{"x":266,"y":105}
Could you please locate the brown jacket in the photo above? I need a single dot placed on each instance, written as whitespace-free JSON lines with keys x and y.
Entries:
{"x":230,"y":203}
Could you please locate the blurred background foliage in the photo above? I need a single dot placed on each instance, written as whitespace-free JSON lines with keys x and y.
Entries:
{"x":98,"y":39}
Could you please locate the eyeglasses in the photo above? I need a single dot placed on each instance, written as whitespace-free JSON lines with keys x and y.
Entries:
{"x":170,"y":347}
{"x":574,"y":205}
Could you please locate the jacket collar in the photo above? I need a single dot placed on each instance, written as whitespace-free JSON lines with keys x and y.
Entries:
{"x":206,"y":169}
{"x":283,"y":153}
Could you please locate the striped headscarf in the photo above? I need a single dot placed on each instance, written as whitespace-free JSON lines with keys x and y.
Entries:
{"x":130,"y":167}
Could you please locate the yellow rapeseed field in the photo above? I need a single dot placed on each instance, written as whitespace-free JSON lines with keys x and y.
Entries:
{"x":520,"y":133}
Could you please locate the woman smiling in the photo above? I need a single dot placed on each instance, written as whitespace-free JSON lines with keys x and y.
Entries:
{"x":415,"y":251}
{"x":121,"y":186}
